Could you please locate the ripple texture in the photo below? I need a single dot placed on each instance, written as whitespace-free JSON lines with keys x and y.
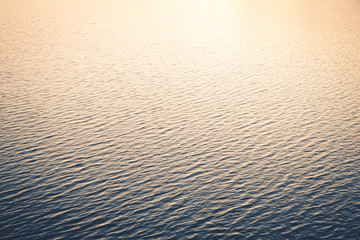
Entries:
{"x":180,"y":120}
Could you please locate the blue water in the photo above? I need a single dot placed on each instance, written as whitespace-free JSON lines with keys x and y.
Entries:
{"x":201,"y":119}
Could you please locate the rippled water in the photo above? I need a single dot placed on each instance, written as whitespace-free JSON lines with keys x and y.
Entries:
{"x":193,"y":119}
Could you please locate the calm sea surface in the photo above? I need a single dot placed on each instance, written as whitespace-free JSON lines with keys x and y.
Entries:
{"x":183,"y":119}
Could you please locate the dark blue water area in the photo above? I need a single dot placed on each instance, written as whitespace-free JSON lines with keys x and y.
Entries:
{"x":72,"y":199}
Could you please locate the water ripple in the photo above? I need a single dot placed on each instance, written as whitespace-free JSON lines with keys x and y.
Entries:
{"x":234,"y":120}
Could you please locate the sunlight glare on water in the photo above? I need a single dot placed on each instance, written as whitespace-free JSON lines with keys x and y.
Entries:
{"x":195,"y":119}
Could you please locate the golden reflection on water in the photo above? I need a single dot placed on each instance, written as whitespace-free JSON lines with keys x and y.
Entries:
{"x":268,"y":42}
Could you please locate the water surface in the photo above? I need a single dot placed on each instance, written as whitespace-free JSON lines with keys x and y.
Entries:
{"x":195,"y":119}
